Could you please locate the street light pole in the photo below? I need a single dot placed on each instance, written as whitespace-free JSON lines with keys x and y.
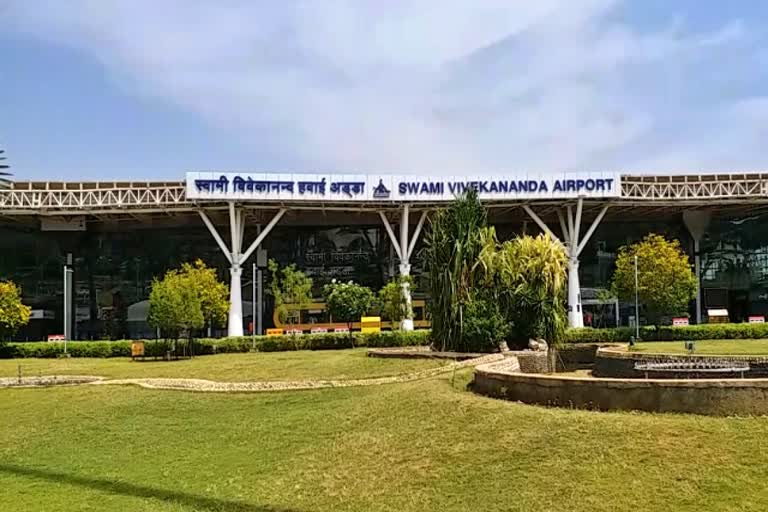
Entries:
{"x":253,"y":308}
{"x":67,"y":305}
{"x":637,"y":306}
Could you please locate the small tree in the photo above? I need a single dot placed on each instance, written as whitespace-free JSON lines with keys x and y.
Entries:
{"x":13,"y":314}
{"x":292,"y":288}
{"x":213,"y":294}
{"x":174,"y":306}
{"x":666,"y":284}
{"x":348,"y":302}
{"x":394,"y":304}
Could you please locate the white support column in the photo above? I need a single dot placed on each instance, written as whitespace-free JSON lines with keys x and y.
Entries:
{"x":216,"y":236}
{"x":235,"y":322}
{"x":264,"y":232}
{"x":404,"y":247}
{"x":697,"y":222}
{"x":573,"y":246}
{"x":575,"y":316}
{"x":542,"y":225}
{"x":237,"y":259}
{"x":392,"y":237}
{"x":563,"y":227}
{"x":416,"y":233}
{"x":405,"y":266}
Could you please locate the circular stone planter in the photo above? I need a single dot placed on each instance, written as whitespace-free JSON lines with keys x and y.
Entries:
{"x":715,"y":397}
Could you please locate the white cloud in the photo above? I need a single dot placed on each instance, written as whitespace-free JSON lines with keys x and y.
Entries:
{"x":422,"y":86}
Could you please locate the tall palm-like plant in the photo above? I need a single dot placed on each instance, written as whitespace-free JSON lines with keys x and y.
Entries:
{"x":451,"y":247}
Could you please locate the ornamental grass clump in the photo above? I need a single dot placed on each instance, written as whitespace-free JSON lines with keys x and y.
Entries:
{"x":484,"y":291}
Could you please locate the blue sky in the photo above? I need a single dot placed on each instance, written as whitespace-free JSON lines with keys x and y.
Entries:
{"x":141,"y":89}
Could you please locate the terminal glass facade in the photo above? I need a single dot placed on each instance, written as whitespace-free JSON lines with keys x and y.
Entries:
{"x":114,"y":266}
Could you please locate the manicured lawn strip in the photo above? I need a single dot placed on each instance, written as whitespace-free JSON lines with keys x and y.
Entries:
{"x":300,"y":365}
{"x":715,"y":347}
{"x":422,"y":446}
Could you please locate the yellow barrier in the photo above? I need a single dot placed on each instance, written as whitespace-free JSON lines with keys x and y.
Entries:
{"x":274,"y":332}
{"x":137,"y":349}
{"x":370,"y":324}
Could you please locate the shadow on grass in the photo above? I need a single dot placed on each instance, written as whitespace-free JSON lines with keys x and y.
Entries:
{"x":193,"y":501}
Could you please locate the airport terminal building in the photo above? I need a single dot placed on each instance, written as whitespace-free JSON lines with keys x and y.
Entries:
{"x":113,"y":238}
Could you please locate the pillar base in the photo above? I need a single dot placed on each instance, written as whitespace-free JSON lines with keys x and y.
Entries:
{"x":235,"y":323}
{"x":575,"y":315}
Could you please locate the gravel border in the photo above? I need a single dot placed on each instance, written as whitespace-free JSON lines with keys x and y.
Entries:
{"x":48,"y":380}
{"x":209,"y":386}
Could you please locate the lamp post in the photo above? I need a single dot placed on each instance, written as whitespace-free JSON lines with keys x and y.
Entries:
{"x":637,"y":306}
{"x":253,"y":308}
{"x":67,"y":305}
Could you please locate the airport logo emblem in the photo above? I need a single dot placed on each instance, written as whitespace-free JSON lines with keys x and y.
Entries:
{"x":380,"y":191}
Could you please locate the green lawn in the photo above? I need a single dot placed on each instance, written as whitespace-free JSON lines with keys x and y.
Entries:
{"x":322,"y":364}
{"x":419,"y":446}
{"x":718,"y":347}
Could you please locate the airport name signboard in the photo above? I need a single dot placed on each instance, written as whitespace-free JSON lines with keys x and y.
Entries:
{"x":382,"y":188}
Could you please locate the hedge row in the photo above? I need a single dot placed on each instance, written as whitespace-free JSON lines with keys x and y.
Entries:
{"x":669,"y":333}
{"x":207,"y":346}
{"x":332,"y":341}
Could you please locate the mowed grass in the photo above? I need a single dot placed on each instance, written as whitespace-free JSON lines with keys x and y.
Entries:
{"x":717,"y":347}
{"x":327,"y":364}
{"x":420,"y":446}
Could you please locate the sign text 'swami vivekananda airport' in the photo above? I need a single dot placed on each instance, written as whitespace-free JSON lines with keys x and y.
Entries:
{"x":381,"y":188}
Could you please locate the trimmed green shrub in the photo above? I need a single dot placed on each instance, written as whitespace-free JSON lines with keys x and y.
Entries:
{"x":334,"y":341}
{"x":670,"y":333}
{"x":207,"y":346}
{"x":74,"y":349}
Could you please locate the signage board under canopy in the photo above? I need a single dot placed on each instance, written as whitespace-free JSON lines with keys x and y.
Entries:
{"x":383,"y":187}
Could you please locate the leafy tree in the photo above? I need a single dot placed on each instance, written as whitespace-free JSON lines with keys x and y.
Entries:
{"x":213,"y":294}
{"x":293,"y":288}
{"x":666,"y":283}
{"x":394,"y":305}
{"x":348,"y":302}
{"x":13,"y":314}
{"x":174,"y":306}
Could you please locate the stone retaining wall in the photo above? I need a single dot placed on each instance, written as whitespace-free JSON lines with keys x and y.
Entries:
{"x":421,"y":353}
{"x":530,"y":361}
{"x":710,"y":397}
